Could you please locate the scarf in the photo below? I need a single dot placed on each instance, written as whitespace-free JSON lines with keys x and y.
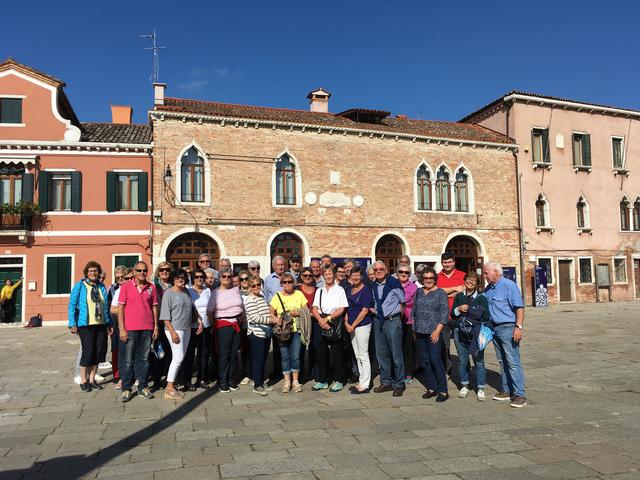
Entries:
{"x":95,"y":298}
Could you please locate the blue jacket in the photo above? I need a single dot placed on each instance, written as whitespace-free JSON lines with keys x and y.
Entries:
{"x":78,"y":313}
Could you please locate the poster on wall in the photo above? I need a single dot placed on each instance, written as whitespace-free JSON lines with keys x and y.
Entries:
{"x":540,"y":282}
{"x":510,"y":273}
{"x":363,"y":262}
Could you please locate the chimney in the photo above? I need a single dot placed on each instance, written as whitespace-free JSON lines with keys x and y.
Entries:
{"x":158,"y":93}
{"x":319,"y":101}
{"x":121,"y":114}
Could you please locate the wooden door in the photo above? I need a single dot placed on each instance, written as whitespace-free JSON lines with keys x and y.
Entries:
{"x":185,"y":250}
{"x":389,"y":250}
{"x":287,"y":245}
{"x":564,"y":280}
{"x":636,"y":275}
{"x":14,"y":274}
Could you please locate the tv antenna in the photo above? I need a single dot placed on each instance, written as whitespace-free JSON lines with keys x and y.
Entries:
{"x":156,"y":57}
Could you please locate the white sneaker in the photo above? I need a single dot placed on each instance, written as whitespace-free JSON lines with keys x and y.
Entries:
{"x":464,"y":391}
{"x":245,"y":381}
{"x":104,"y":365}
{"x":99,"y":378}
{"x":481,"y":396}
{"x":77,"y":380}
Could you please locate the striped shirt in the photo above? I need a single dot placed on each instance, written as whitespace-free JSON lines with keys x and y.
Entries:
{"x":258,"y":316}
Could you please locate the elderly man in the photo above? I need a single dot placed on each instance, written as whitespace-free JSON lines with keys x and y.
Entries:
{"x":506,"y":309}
{"x":204,"y":263}
{"x":316,"y":268}
{"x":405,"y":261}
{"x":295,"y":267}
{"x":389,"y":303}
{"x":326,"y":260}
{"x":224,"y":263}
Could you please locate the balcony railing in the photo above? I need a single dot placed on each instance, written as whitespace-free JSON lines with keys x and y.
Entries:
{"x":10,"y":220}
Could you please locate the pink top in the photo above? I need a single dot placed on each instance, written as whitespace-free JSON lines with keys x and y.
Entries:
{"x":226,"y":304}
{"x":138,"y":313}
{"x":410,"y":289}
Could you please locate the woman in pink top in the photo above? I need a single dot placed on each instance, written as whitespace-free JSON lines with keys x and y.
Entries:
{"x":404,"y":275}
{"x":225,"y":312}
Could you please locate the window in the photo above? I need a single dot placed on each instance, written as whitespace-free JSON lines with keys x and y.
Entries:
{"x":586,"y":270}
{"x":423,"y":179}
{"x":624,"y":215}
{"x":617,"y":147}
{"x":461,"y":191}
{"x":443,"y":191}
{"x":542,"y":212}
{"x":581,"y":150}
{"x":546,"y":263}
{"x":10,"y":189}
{"x":636,"y":215}
{"x":285,"y":181}
{"x":582,"y":210}
{"x":620,"y":270}
{"x":11,"y":110}
{"x":127,"y":192}
{"x":60,"y":192}
{"x":540,"y":145}
{"x":192,"y":176}
{"x":125,"y":260}
{"x":58,"y":275}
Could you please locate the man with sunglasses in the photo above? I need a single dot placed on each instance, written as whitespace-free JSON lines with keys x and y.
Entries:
{"x":138,"y":325}
{"x":272,"y":286}
{"x":204,"y":263}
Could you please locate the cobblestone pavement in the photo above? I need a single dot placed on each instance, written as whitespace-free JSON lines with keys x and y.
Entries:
{"x":583,"y":418}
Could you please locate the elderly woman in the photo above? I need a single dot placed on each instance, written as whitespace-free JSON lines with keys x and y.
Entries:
{"x":371,"y":274}
{"x":200,"y":344}
{"x":211,"y":280}
{"x":89,"y":318}
{"x":408,"y":343}
{"x":245,"y":352}
{"x":289,"y":301}
{"x":163,"y":280}
{"x":430,"y":314}
{"x":177,"y":315}
{"x":329,"y":305}
{"x":226,"y":312}
{"x":259,"y":320}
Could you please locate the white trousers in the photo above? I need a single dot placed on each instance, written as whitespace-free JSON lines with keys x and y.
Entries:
{"x":178,"y":351}
{"x":360,"y":344}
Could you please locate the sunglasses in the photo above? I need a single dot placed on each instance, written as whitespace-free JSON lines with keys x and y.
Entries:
{"x":225,"y":276}
{"x":142,"y":270}
{"x":244,"y":279}
{"x":306,"y":275}
{"x":180,"y":278}
{"x":198,"y":276}
{"x":204,"y":261}
{"x":403,"y":272}
{"x":428,"y":278}
{"x":254,"y":268}
{"x":286,"y":282}
{"x":255,"y":285}
{"x":119,"y":278}
{"x":379,"y":269}
{"x":164,"y":269}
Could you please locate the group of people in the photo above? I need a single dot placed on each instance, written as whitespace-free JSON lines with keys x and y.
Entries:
{"x":343,"y":322}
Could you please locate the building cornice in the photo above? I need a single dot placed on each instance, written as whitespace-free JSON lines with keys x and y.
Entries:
{"x":580,"y":107}
{"x":161,"y":115}
{"x":49,"y":146}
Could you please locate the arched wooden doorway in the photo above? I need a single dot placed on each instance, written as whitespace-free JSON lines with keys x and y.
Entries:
{"x":465,"y":251}
{"x":287,"y":244}
{"x":389,"y":249}
{"x":185,"y":250}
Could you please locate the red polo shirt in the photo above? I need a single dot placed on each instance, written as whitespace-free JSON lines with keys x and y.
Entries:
{"x":456,"y":279}
{"x":138,"y":312}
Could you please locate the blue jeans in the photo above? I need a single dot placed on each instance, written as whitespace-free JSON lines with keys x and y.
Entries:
{"x":463,"y":363}
{"x":136,"y":358}
{"x":508,"y":353}
{"x":259,"y":352}
{"x":388,"y":341}
{"x":430,"y":358}
{"x":290,"y":355}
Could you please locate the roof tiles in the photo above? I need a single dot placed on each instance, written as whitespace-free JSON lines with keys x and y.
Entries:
{"x":116,"y":133}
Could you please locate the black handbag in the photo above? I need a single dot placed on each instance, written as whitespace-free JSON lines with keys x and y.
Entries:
{"x":467,"y":322}
{"x":335,"y":325}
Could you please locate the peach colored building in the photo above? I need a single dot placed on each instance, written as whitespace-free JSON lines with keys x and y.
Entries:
{"x":579,"y":188}
{"x":90,"y":180}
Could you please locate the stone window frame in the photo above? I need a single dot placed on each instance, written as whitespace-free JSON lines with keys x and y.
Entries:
{"x":547,"y":214}
{"x":622,"y":150}
{"x":580,"y":282}
{"x":298,"y":180}
{"x":626,"y":273}
{"x":470,"y":190}
{"x":416,"y":206}
{"x":207,"y":176}
{"x":629,"y":215}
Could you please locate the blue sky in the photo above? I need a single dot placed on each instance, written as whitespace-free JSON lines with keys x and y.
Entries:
{"x":425,"y":59}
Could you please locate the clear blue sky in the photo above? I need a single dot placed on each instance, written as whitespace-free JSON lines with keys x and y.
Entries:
{"x":439,"y":60}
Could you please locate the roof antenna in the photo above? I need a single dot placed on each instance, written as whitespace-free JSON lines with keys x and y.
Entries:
{"x":156,"y":57}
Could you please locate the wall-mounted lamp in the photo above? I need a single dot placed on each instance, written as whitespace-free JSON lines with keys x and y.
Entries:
{"x":168,"y":176}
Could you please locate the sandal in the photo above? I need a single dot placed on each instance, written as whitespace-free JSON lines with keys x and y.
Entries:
{"x":286,"y":387}
{"x":297,"y":387}
{"x":172,"y":395}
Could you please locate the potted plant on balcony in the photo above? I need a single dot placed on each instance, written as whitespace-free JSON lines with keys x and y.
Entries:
{"x":28,"y":210}
{"x":10,"y":215}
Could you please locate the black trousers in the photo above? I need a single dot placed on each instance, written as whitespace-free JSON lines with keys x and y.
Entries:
{"x":329,"y":359}
{"x":159,"y":368}
{"x":93,"y":339}
{"x":228,"y":341}
{"x":408,"y":349}
{"x":204,"y":359}
{"x":445,"y":353}
{"x":190,"y":358}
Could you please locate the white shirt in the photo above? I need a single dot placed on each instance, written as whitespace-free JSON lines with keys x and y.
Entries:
{"x":200,"y":301}
{"x":332,"y":299}
{"x":114,"y":300}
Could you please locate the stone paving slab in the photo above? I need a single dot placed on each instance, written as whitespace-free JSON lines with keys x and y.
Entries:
{"x":582,"y":421}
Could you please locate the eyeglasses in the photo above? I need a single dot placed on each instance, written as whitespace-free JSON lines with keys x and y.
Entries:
{"x":426,"y":279}
{"x":254,"y":268}
{"x":164,"y":269}
{"x":379,"y":269}
{"x":286,"y":282}
{"x":119,"y":278}
{"x":144,"y":270}
{"x":92,"y":270}
{"x":306,"y":275}
{"x":244,"y":279}
{"x":225,"y":276}
{"x":403,"y":272}
{"x":198,"y":276}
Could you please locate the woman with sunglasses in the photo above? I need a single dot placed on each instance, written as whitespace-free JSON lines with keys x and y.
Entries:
{"x":430,"y":314}
{"x":408,"y":343}
{"x":160,"y":366}
{"x":289,"y":301}
{"x":226,"y":311}
{"x":177,"y":315}
{"x":201,"y":343}
{"x":245,"y":350}
{"x":259,"y":321}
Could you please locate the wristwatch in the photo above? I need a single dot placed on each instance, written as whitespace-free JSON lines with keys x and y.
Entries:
{"x":519,"y":326}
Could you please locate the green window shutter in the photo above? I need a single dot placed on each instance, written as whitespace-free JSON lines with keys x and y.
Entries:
{"x":76,"y":191}
{"x":27,"y":187}
{"x":112,"y":181}
{"x":143,"y":191}
{"x":533,"y":145}
{"x":546,"y":157}
{"x":586,"y":150}
{"x":43,"y":191}
{"x":126,"y":260}
{"x":58,"y":275}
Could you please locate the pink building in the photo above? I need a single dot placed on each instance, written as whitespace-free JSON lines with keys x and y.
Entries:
{"x":90,"y":180}
{"x":579,"y":191}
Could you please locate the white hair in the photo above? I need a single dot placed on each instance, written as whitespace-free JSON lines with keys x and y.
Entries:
{"x":380,"y":262}
{"x":494,"y":266}
{"x":253,"y":263}
{"x":276,"y":258}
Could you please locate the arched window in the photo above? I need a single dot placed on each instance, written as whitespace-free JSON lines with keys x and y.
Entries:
{"x":423,"y":179}
{"x":285,"y":181}
{"x":542,"y":212}
{"x":461,"y":188}
{"x":443,"y":190}
{"x":582,"y":211}
{"x":636,"y":215}
{"x":192,"y":176}
{"x":624,"y":215}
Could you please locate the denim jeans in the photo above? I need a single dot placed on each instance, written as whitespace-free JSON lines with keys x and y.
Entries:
{"x":430,"y":358}
{"x":388,"y":340}
{"x":508,"y":353}
{"x":290,"y":354}
{"x":259,"y":352}
{"x":136,"y":356}
{"x":463,"y":363}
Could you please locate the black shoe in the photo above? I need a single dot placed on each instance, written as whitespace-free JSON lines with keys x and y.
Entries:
{"x":96,"y":386}
{"x":203,"y":385}
{"x":442,"y":397}
{"x":233,"y":386}
{"x":429,"y":394}
{"x":189,"y":387}
{"x":397,"y":392}
{"x":383,"y":388}
{"x":355,"y":391}
{"x":85,"y":387}
{"x":224,"y":389}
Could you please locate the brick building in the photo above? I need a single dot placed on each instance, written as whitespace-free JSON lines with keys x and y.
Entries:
{"x":248,"y":182}
{"x":578,"y":166}
{"x":91,"y":181}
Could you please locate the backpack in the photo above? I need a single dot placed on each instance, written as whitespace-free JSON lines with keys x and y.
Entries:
{"x":282,"y":332}
{"x":35,"y":321}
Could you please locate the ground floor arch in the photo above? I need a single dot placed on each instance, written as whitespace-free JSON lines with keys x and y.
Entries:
{"x":389,"y":248}
{"x":184,"y":250}
{"x":467,"y":251}
{"x":286,"y":244}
